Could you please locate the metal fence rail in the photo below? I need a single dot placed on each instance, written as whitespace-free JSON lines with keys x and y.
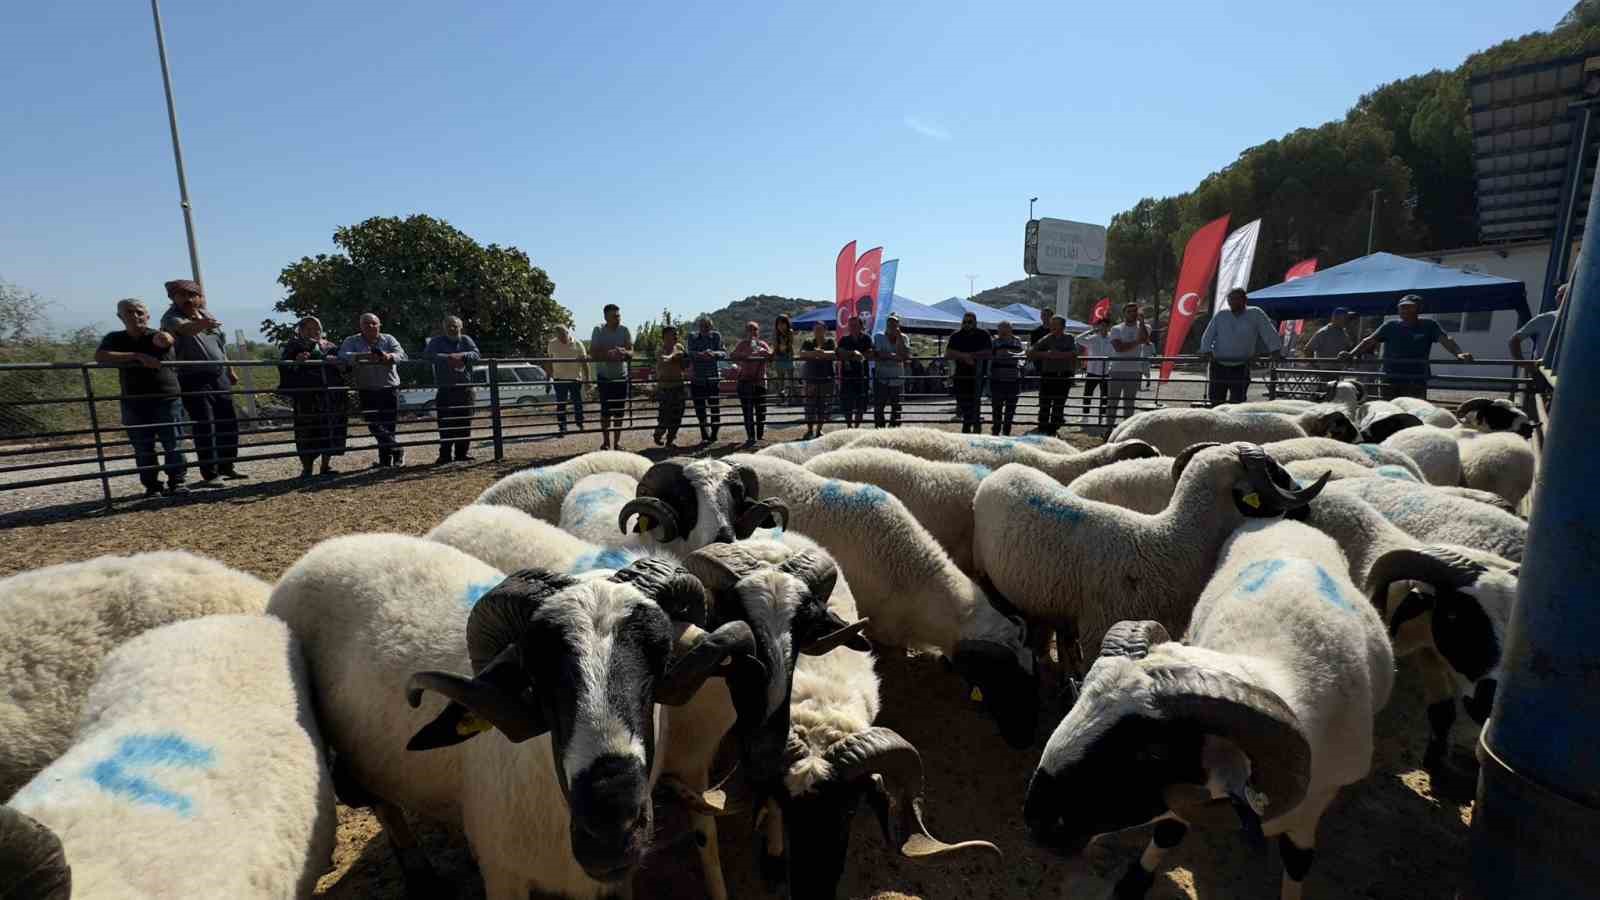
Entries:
{"x":62,"y":422}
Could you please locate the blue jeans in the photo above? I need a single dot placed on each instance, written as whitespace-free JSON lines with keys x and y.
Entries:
{"x":569,"y":391}
{"x":147,"y":421}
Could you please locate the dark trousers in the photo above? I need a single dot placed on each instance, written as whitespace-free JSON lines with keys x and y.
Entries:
{"x":1003,"y":394}
{"x":853,"y":399}
{"x":569,"y":391}
{"x":669,"y":410}
{"x":453,"y":406}
{"x":380,"y":409}
{"x":320,"y":426}
{"x":216,"y":426}
{"x":886,"y":395}
{"x":1391,"y":389}
{"x":753,"y":404}
{"x":966,"y":390}
{"x":1229,"y":384}
{"x":613,"y":401}
{"x":1092,"y":383}
{"x":819,"y":400}
{"x":1053,"y":391}
{"x":149,"y":420}
{"x":707,"y":400}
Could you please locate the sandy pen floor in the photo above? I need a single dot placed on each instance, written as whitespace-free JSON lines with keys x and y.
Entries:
{"x":1395,"y":835}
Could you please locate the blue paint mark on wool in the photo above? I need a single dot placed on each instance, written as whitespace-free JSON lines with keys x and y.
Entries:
{"x":1060,"y":507}
{"x":1032,"y":440}
{"x":475,"y":592}
{"x":1371,"y":450}
{"x":1331,"y":591}
{"x":980,"y":472}
{"x":589,"y":502}
{"x":610,"y":559}
{"x":993,"y":445}
{"x":150,"y":751}
{"x":1256,"y":575}
{"x":1396,"y":472}
{"x":834,"y":494}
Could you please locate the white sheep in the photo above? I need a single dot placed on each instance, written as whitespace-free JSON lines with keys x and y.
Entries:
{"x":1430,"y":414}
{"x":539,"y":491}
{"x":912,"y":593}
{"x":1311,"y":469}
{"x":1078,"y":566}
{"x":1145,"y":485}
{"x":1172,"y":429}
{"x":1435,"y":450}
{"x":1378,"y":419}
{"x":910,"y":439}
{"x":1439,"y":517}
{"x":801,"y":451}
{"x":198,"y":771}
{"x":1259,"y":717}
{"x":589,"y":512}
{"x":1500,"y":462}
{"x":993,"y":452}
{"x":683,"y":504}
{"x":939,"y":494}
{"x":557,"y":798}
{"x":510,"y":540}
{"x":1370,"y":455}
{"x":61,"y":620}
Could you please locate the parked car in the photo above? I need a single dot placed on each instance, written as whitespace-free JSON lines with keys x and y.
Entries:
{"x":520,"y":384}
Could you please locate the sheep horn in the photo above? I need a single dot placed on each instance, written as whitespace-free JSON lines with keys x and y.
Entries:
{"x":896,"y":769}
{"x":758,"y":513}
{"x":696,"y":656}
{"x":818,"y":571}
{"x":720,"y":566}
{"x":1473,"y":405}
{"x":1255,"y":719}
{"x":671,"y":586}
{"x":493,"y":697}
{"x":1180,"y":461}
{"x":1133,"y":448}
{"x":1438,"y":566}
{"x":1133,"y":639}
{"x":1267,"y":478}
{"x":652,"y":513}
{"x":31,"y":858}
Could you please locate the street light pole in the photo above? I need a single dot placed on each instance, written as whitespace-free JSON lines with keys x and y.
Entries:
{"x":177,"y":148}
{"x":971,"y":280}
{"x":1031,"y":202}
{"x":1372,"y":226}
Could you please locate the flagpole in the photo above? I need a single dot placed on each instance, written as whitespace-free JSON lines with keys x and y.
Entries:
{"x":177,"y":147}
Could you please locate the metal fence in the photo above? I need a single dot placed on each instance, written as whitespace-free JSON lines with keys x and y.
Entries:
{"x":64,"y":422}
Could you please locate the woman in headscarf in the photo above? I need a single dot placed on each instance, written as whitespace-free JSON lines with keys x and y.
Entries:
{"x":318,"y":395}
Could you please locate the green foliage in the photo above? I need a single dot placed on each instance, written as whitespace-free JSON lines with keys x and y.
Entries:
{"x":21,"y":313}
{"x":763,"y":308}
{"x":414,"y":271}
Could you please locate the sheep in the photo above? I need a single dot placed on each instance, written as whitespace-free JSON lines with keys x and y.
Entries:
{"x":1494,"y":414}
{"x":911,"y":439}
{"x":589,"y":511}
{"x":567,"y":671}
{"x":1498,"y":461}
{"x":1282,"y":406}
{"x":993,"y":452}
{"x":1078,"y":565}
{"x":1434,"y":449}
{"x":1438,"y":517}
{"x":1436,"y":416}
{"x":1172,"y":429}
{"x":198,"y":771}
{"x":1308,"y":469}
{"x":510,"y":539}
{"x":1142,"y":485}
{"x":1370,"y":455}
{"x":61,"y":620}
{"x":833,"y":752}
{"x":1378,"y":419}
{"x":907,"y":586}
{"x":939,"y":494}
{"x":683,"y":504}
{"x":802,"y":451}
{"x":1478,"y":591}
{"x":1257,"y":718}
{"x":539,"y":491}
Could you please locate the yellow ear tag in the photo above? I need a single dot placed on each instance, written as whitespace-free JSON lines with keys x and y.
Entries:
{"x":471,"y":724}
{"x":1252,"y":500}
{"x":646,"y":523}
{"x":977,"y":695}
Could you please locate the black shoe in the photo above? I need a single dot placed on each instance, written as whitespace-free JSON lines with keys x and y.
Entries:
{"x":176,"y":488}
{"x":307,"y":472}
{"x":442,"y":460}
{"x":399,"y":458}
{"x":210,"y":477}
{"x":656,"y":436}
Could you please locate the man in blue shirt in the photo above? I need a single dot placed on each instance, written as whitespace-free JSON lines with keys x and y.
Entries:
{"x":453,"y":354}
{"x":1407,"y":342}
{"x":705,"y":377}
{"x":1228,"y":347}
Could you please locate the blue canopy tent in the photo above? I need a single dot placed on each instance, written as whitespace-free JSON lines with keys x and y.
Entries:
{"x":915,"y":318}
{"x":1373,"y":285}
{"x":1032,"y":312}
{"x":989,"y":318}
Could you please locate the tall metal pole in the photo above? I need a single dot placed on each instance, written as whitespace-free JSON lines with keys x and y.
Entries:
{"x":972,"y":281}
{"x":1538,"y":802}
{"x":177,"y":147}
{"x":1372,"y":226}
{"x":1031,"y":202}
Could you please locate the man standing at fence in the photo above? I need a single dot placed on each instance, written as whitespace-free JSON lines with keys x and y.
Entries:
{"x":1096,"y":343}
{"x":207,"y":383}
{"x":569,"y":366}
{"x":752,"y":354}
{"x":1407,"y":342}
{"x":373,"y":355}
{"x":1228,"y":346}
{"x":854,"y":349}
{"x":1331,"y":339}
{"x":1056,"y":355}
{"x":453,"y":355}
{"x":968,"y":348}
{"x":1046,"y":315}
{"x":150,"y":407}
{"x":891,"y":351}
{"x":611,"y":346}
{"x":705,"y":380}
{"x":1537,"y":330}
{"x":1125,"y":368}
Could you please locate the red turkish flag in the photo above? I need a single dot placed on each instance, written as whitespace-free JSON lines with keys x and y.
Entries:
{"x":843,"y":267}
{"x":1102,"y":310}
{"x":1301,"y":269}
{"x":863,"y":286}
{"x":1200,"y":259}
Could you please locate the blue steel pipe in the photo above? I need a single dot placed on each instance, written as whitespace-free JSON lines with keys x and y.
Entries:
{"x":1537,"y":817}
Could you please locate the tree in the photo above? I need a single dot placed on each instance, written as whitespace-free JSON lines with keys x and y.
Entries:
{"x":22,"y":312}
{"x":413,"y":272}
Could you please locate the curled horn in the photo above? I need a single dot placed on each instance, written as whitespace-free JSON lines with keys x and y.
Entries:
{"x":698,"y":654}
{"x":32,"y":861}
{"x":671,"y":586}
{"x":1253,"y":718}
{"x":758,"y":513}
{"x":896,"y":768}
{"x":817,"y":570}
{"x":720,"y":566}
{"x":1438,"y":566}
{"x":1181,"y":461}
{"x":1133,"y":448}
{"x":1268,"y":479}
{"x":653,"y":511}
{"x":1133,"y":639}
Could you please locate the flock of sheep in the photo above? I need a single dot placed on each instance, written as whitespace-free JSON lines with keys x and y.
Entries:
{"x":589,"y":640}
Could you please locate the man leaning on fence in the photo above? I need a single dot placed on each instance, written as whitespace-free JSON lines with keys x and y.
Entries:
{"x":611,"y":347}
{"x":569,"y":366}
{"x":1407,"y":343}
{"x":1331,"y":339}
{"x":453,"y":355}
{"x":1228,"y":347}
{"x":705,"y":378}
{"x":890,"y":352}
{"x":207,"y":381}
{"x":150,"y":408}
{"x":373,"y":355}
{"x":316,"y":390}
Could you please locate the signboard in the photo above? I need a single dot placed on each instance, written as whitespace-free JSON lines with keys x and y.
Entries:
{"x":1060,"y":247}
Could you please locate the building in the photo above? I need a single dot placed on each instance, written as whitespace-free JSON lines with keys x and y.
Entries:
{"x":1484,"y":334}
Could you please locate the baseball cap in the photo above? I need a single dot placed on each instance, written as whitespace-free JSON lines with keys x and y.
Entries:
{"x":1410,"y":300}
{"x":1340,"y":311}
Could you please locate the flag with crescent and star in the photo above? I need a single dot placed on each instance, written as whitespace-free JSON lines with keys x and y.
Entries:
{"x":1102,"y":310}
{"x":863,"y":288}
{"x":885,"y":303}
{"x":844,"y":267}
{"x":1200,"y":259}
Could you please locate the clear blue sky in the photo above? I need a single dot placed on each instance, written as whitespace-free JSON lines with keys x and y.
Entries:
{"x":677,"y":155}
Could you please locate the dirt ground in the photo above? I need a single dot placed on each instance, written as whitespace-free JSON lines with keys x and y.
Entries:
{"x":1395,"y":835}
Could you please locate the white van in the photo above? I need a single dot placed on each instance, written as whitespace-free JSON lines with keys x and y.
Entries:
{"x":520,"y":384}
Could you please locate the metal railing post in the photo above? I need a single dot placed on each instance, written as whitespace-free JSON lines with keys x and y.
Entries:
{"x":1272,"y":379}
{"x":494,"y":410}
{"x":94,"y":425}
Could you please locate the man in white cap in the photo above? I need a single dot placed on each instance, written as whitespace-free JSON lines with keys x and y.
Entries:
{"x":1407,"y":342}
